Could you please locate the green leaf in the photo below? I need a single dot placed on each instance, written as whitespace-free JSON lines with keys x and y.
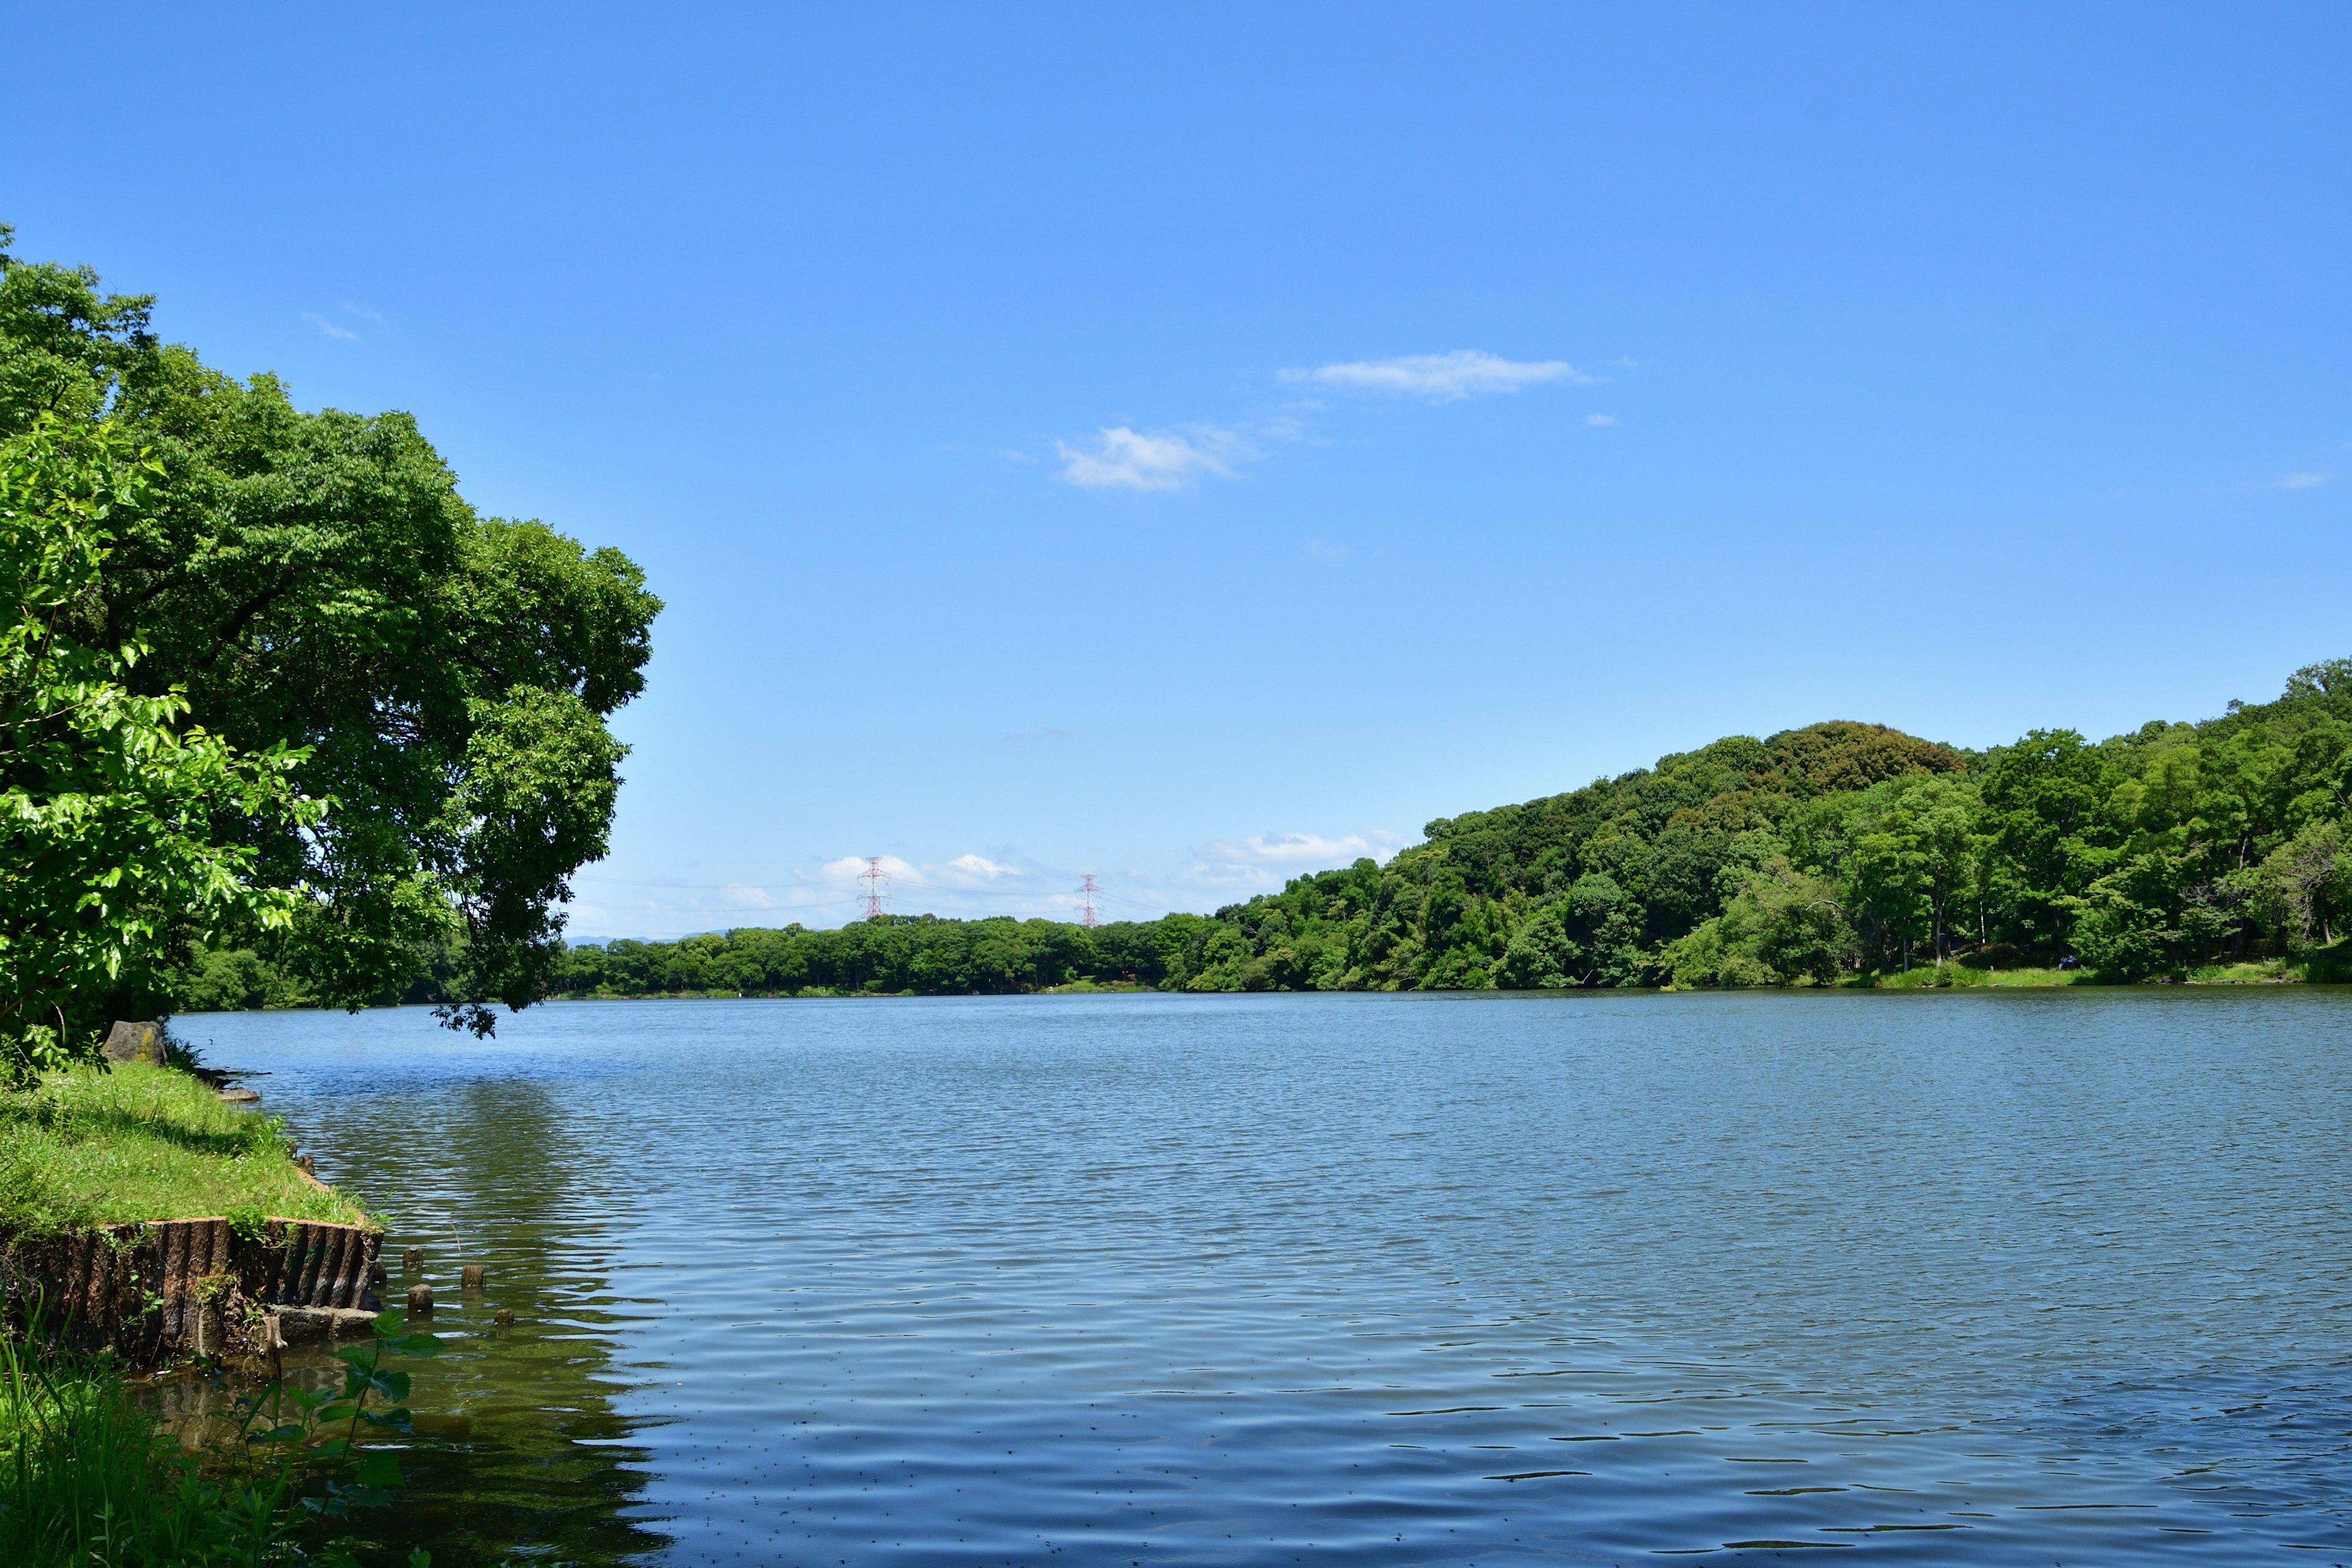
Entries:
{"x":377,"y":1469}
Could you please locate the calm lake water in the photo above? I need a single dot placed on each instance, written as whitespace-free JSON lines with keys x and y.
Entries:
{"x":2035,"y":1278}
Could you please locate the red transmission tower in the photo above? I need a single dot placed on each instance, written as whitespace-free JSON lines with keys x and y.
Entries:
{"x":877,"y":883}
{"x":1087,"y":890}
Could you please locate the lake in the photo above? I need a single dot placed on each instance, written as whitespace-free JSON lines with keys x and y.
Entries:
{"x":2021,"y":1277}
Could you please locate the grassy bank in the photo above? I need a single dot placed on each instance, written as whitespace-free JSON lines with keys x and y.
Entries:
{"x":2328,"y":966}
{"x":1927,"y":976}
{"x":90,"y":1146}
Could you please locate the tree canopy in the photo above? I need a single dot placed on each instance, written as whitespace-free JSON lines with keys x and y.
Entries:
{"x":311,"y":586}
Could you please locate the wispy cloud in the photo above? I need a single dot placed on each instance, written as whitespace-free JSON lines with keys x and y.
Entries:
{"x":329,"y":328}
{"x":1443,"y":378}
{"x":362,"y":312}
{"x":2300,"y":481}
{"x":1123,"y":458}
{"x":1325,"y":552}
{"x":979,"y":867}
{"x":1267,"y":860}
{"x":1598,"y":420}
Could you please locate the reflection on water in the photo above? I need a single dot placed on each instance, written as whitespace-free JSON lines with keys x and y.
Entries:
{"x":518,"y":1448}
{"x":1386,"y":1280}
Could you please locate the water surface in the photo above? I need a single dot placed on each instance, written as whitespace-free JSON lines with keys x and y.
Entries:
{"x":2026,"y":1277}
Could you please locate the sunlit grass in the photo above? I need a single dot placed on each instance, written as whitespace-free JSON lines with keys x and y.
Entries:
{"x":91,"y":1146}
{"x":1958,"y":976}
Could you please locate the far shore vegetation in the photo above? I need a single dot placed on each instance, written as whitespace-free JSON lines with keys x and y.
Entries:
{"x":1840,"y":854}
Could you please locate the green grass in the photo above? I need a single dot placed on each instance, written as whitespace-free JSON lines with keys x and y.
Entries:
{"x":2261,"y":972}
{"x":2328,"y":966}
{"x":1957,"y":976}
{"x":87,"y":1479}
{"x":91,"y":1146}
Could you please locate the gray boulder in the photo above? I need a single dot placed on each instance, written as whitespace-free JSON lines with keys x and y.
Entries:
{"x":140,"y":1042}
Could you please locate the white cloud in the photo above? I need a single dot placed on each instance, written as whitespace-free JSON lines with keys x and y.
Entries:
{"x":1600,"y":419}
{"x":845,"y":872}
{"x":1443,"y":378}
{"x":981,"y":867}
{"x":1125,"y":459}
{"x":2300,"y":481}
{"x":329,"y":328}
{"x":1323,"y":552}
{"x":1264,"y":860}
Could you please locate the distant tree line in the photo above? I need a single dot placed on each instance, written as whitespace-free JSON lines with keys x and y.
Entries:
{"x":1837,"y":853}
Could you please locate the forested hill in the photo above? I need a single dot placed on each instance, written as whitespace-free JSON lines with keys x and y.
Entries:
{"x":1838,"y":853}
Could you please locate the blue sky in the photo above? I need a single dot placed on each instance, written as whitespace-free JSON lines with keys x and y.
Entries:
{"x":1193,"y":444}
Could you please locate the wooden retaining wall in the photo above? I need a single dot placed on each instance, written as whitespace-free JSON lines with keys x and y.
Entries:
{"x":167,"y":1288}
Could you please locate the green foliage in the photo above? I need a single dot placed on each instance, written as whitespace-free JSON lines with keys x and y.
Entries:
{"x":2304,"y":887}
{"x":85,"y":1477}
{"x":121,"y":826}
{"x":1841,"y":853}
{"x":1783,"y":927}
{"x":311,"y":588}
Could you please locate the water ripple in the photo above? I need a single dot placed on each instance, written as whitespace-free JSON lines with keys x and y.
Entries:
{"x":1383,"y":1280}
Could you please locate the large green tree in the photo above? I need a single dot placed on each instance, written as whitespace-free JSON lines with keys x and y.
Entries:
{"x":315,"y":581}
{"x":124,"y":828}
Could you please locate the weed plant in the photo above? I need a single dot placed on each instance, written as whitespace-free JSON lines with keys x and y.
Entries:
{"x":88,"y":1481}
